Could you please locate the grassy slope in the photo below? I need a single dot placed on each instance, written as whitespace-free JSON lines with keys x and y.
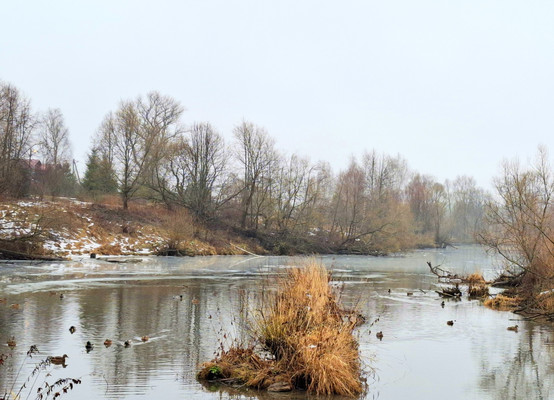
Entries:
{"x":67,"y":227}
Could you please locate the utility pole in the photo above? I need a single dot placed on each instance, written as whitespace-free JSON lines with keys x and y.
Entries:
{"x":76,"y":171}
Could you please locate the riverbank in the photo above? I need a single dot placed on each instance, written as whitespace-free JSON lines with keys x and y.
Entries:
{"x":68,"y":227}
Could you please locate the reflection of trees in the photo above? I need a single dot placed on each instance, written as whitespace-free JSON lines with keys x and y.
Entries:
{"x":526,"y":374}
{"x":35,"y":319}
{"x":182,"y":333}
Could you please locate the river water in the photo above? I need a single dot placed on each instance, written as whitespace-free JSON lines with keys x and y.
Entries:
{"x":420,"y":356}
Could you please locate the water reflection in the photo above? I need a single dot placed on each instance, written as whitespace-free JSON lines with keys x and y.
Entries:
{"x":419,"y":356}
{"x":520,"y":373}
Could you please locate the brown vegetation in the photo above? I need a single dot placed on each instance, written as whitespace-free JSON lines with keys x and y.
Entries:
{"x":520,"y":227}
{"x":286,"y":203}
{"x":503,"y":303}
{"x":477,"y":286}
{"x":309,"y":336}
{"x":64,"y":227}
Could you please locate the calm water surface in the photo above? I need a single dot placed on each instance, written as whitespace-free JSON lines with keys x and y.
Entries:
{"x":420,"y":356}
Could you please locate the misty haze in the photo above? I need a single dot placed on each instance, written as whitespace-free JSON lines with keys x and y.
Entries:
{"x":244,"y":200}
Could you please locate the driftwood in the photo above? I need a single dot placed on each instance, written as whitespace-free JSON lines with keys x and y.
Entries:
{"x":15,"y":255}
{"x":246,"y":251}
{"x":505,"y":281}
{"x":442,"y":273}
{"x":121,"y":260}
{"x":450,"y":292}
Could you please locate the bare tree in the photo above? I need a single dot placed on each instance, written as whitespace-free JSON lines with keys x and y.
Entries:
{"x":129,"y":151}
{"x":54,"y":138}
{"x":520,"y":227}
{"x":385,"y":176}
{"x":257,"y":157}
{"x":197,"y":169}
{"x":17,"y":124}
{"x":296,"y":190}
{"x":367,"y":211}
{"x":104,"y":141}
{"x":137,"y":138}
{"x":466,"y":209}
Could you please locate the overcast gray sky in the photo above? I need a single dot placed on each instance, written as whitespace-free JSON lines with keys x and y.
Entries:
{"x":453,"y":86}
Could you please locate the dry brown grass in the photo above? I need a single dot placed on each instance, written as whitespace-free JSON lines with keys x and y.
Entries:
{"x":109,"y":249}
{"x":309,"y":336}
{"x":503,"y":303}
{"x":478,"y":290}
{"x":477,"y":286}
{"x":475,"y":278}
{"x":180,"y":228}
{"x":144,"y":227}
{"x":240,"y":365}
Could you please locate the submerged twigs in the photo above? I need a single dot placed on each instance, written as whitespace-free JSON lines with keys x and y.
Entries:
{"x":477,"y":286}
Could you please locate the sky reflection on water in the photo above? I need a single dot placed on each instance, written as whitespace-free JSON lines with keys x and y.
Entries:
{"x":419,"y":357}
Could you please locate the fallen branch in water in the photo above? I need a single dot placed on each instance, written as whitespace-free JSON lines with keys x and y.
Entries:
{"x":441,"y":273}
{"x":447,"y":294}
{"x":16,"y":255}
{"x":246,"y":251}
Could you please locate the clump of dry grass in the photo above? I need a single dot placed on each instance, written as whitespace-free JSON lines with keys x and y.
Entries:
{"x":477,"y":286}
{"x":304,"y":328}
{"x":109,"y":249}
{"x":309,"y":336}
{"x":475,"y":278}
{"x":180,"y":228}
{"x":240,"y":365}
{"x":503,"y":303}
{"x":478,"y":290}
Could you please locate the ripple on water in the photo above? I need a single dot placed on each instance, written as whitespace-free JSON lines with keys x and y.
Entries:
{"x":420,"y":356}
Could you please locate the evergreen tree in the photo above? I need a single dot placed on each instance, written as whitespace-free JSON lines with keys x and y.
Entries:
{"x":99,"y":176}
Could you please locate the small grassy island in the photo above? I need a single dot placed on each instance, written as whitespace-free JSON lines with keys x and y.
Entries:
{"x":304,"y":340}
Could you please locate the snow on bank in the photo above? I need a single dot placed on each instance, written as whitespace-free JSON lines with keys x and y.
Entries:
{"x":75,"y":231}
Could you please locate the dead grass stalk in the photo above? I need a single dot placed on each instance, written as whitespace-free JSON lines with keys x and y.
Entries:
{"x":308,"y":334}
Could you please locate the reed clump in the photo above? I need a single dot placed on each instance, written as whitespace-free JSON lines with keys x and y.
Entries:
{"x":477,"y":286}
{"x":309,"y":336}
{"x":503,"y":303}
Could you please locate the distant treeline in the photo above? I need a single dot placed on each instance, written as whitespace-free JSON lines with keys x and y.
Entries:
{"x":144,"y":150}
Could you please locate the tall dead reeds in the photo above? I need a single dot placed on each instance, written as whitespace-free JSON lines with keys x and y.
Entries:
{"x":503,"y":303}
{"x":477,"y":286}
{"x":308,"y":334}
